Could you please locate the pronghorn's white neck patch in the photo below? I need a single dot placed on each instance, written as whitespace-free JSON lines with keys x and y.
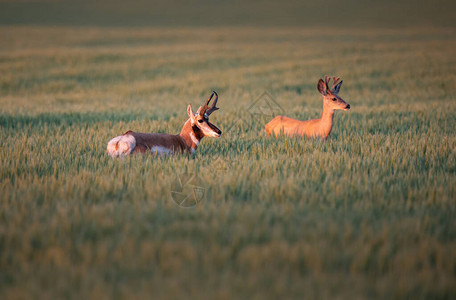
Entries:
{"x":159,"y":150}
{"x":194,"y":139}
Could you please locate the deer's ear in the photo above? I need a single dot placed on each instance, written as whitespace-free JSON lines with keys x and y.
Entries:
{"x":336,"y":89}
{"x":322,"y":87}
{"x":190,"y":113}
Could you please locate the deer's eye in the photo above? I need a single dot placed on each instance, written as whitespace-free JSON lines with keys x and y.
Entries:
{"x":200,"y":120}
{"x":334,"y":99}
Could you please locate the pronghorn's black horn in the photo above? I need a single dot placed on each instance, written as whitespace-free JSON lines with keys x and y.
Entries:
{"x":208,"y":110}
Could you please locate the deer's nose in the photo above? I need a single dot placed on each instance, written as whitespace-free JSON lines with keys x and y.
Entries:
{"x":348,"y":106}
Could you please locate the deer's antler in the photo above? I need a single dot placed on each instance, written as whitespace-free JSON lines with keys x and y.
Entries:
{"x":334,"y":84}
{"x":205,"y":110}
{"x":335,"y":80}
{"x":327,"y":79}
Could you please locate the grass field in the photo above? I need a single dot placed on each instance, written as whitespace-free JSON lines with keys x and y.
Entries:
{"x":370,"y":213}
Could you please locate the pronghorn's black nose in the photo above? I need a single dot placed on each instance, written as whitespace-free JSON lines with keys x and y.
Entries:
{"x":348,"y":106}
{"x":213,"y":127}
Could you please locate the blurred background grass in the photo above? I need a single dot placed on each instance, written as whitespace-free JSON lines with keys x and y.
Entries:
{"x":326,"y":13}
{"x":366,"y":214}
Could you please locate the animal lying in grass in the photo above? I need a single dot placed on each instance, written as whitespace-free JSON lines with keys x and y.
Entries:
{"x":312,"y":128}
{"x":195,"y":128}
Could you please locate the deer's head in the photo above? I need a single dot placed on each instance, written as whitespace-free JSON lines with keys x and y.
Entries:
{"x":330,"y":96}
{"x":200,"y":120}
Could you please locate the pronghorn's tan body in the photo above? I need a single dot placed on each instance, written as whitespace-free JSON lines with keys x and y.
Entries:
{"x":159,"y":142}
{"x":194,"y":129}
{"x":282,"y":125}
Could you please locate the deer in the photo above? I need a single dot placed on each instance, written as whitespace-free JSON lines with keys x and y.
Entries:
{"x":312,"y":128}
{"x":195,"y":128}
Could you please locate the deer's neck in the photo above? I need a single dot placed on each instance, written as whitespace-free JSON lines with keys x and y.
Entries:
{"x":326,"y":120}
{"x":191,"y":135}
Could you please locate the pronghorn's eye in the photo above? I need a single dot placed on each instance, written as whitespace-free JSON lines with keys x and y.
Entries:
{"x":200,"y":120}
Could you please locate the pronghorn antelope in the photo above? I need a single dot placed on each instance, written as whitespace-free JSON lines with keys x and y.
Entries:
{"x":317,"y":127}
{"x":194,"y":129}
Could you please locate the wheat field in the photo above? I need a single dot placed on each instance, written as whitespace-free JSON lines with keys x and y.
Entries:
{"x":369,"y":213}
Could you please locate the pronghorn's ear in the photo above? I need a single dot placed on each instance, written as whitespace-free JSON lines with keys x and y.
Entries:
{"x":336,"y":89}
{"x":322,"y":88}
{"x":199,"y":110}
{"x":190,"y":113}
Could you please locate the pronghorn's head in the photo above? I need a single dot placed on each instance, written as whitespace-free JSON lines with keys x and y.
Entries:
{"x":200,"y":120}
{"x":330,"y":96}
